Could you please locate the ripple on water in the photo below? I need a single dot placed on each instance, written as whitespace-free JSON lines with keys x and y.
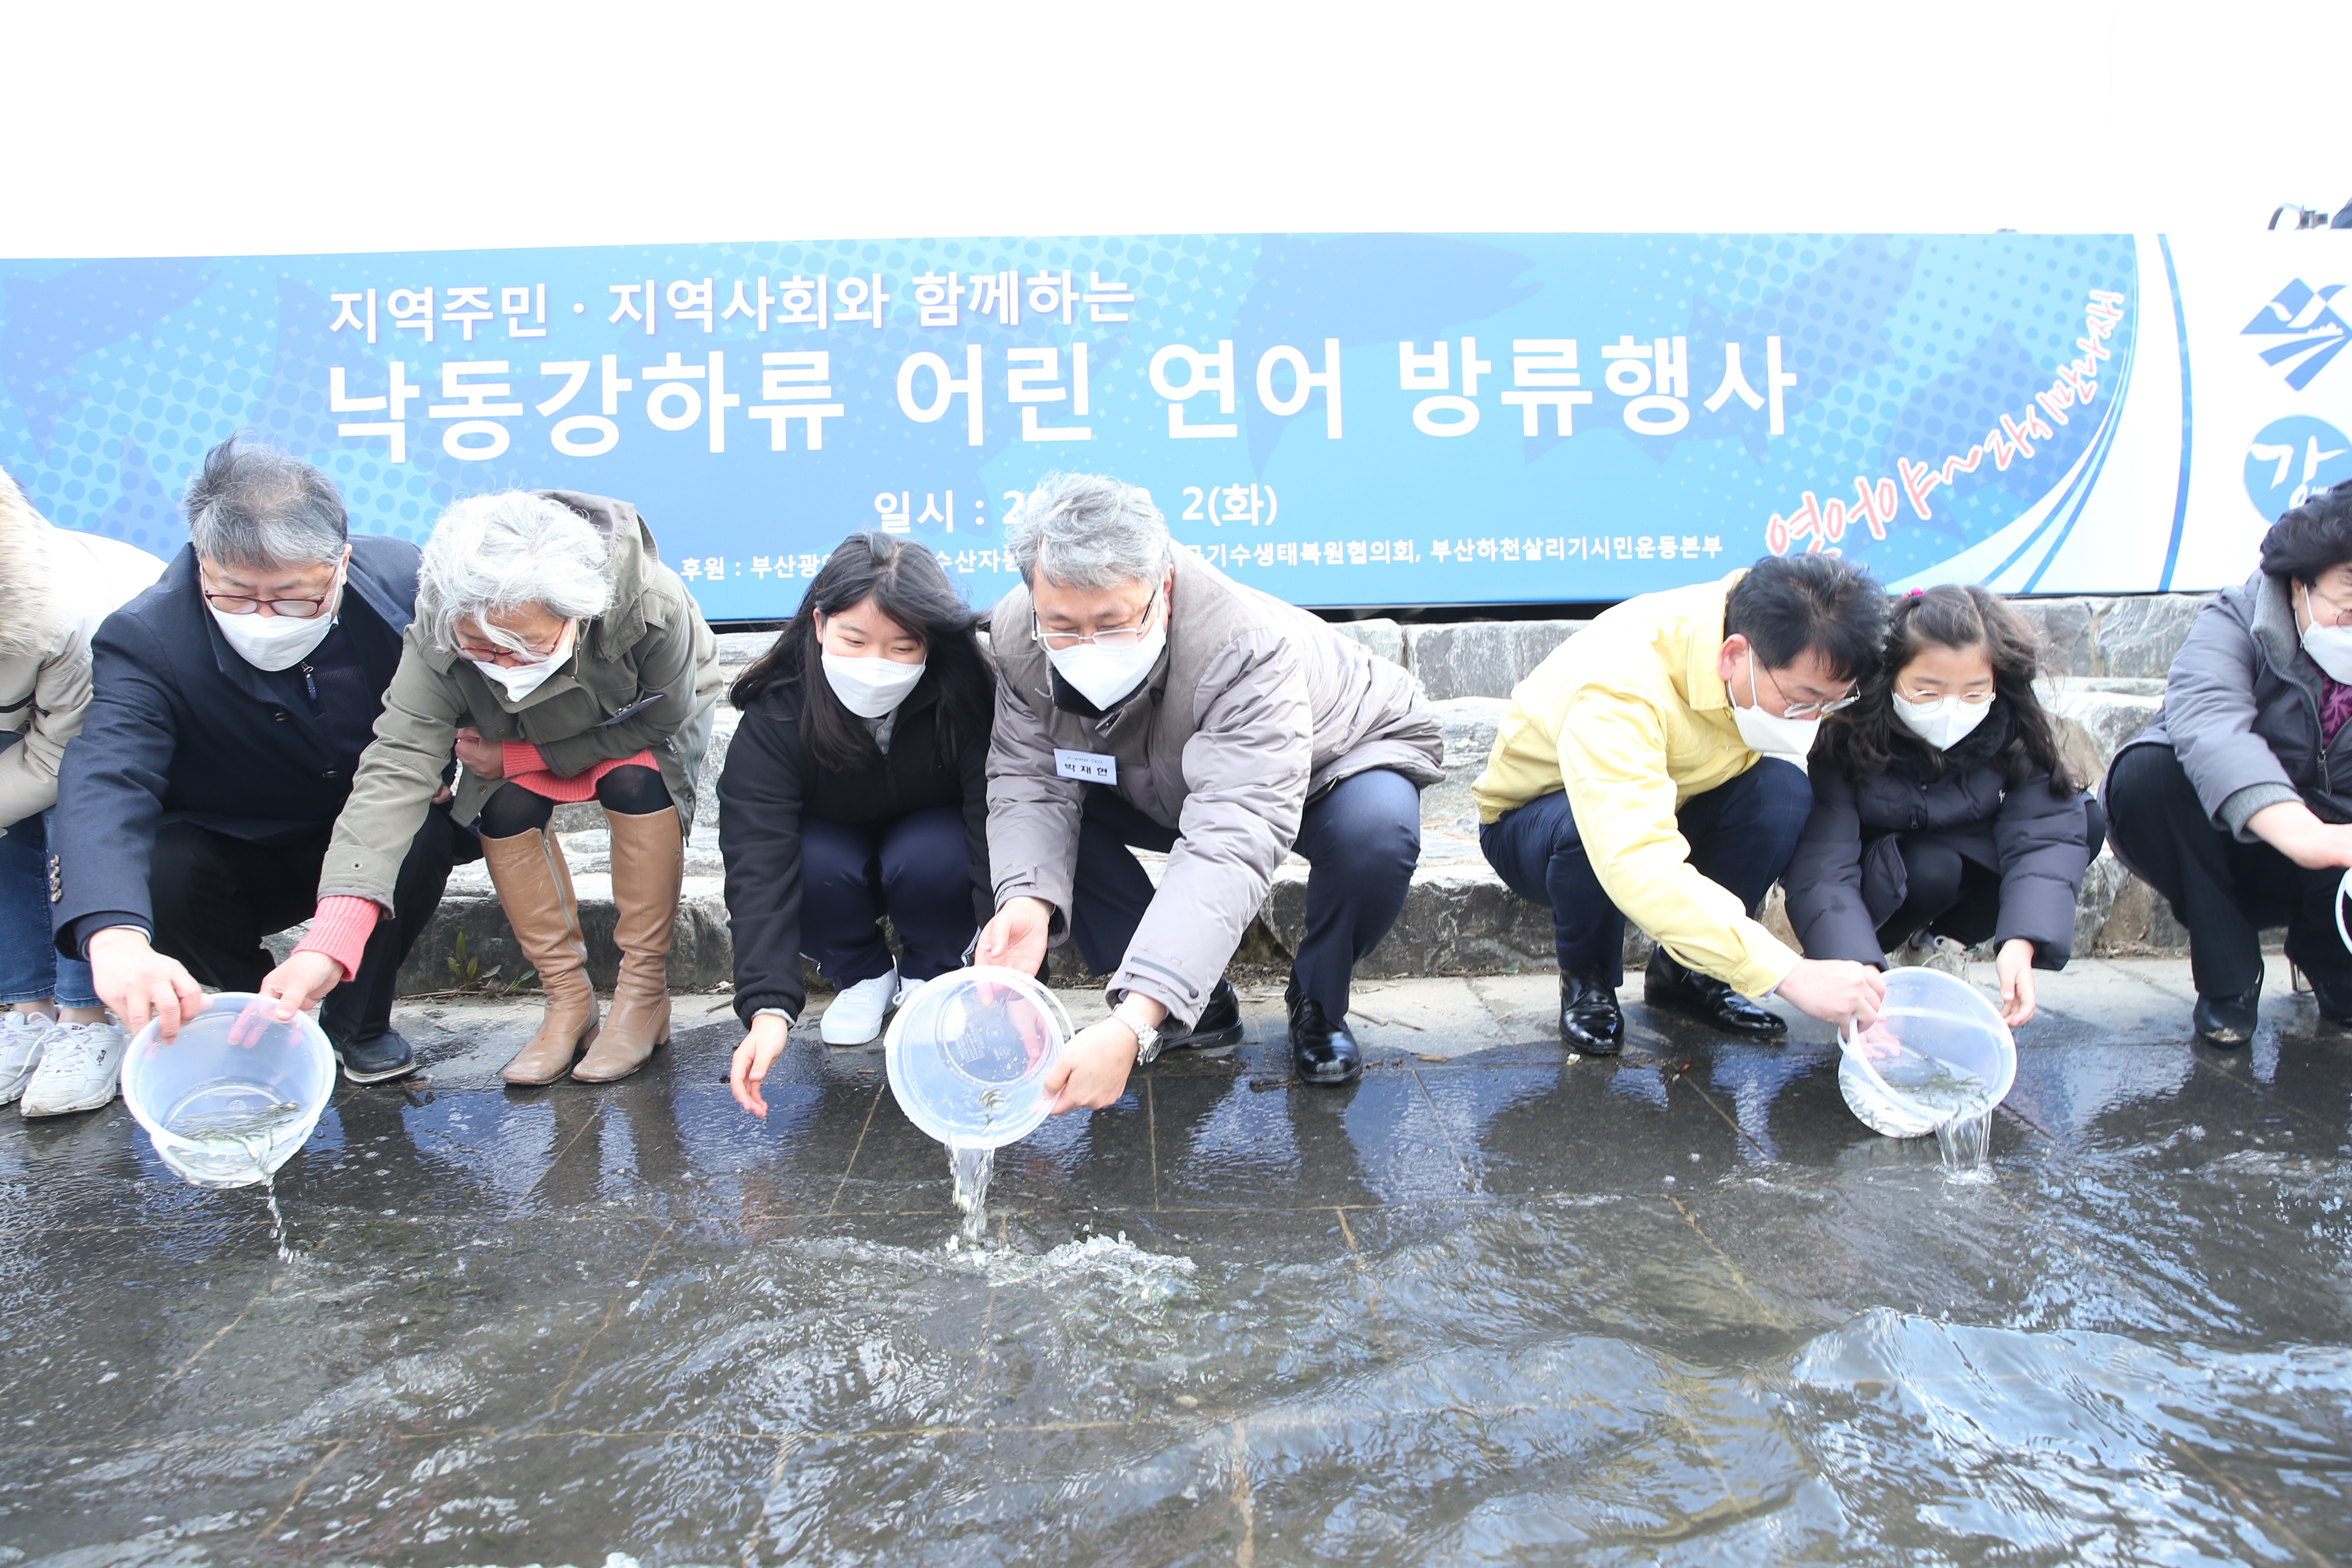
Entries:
{"x":1506,"y":1381}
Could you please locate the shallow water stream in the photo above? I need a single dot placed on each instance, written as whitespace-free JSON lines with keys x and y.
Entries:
{"x":1678,"y":1307}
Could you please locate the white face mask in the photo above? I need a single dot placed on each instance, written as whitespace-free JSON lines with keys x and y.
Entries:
{"x":279,"y":642}
{"x":2330,"y":647}
{"x":523,"y":680}
{"x":1104,"y":676}
{"x":1942,"y":723}
{"x":870,"y":688}
{"x":1788,"y":739}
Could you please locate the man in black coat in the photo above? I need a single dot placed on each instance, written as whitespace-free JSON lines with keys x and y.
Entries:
{"x":232,"y":702}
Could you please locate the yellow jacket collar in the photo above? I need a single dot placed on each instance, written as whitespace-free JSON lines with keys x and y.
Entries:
{"x":1703,"y":688}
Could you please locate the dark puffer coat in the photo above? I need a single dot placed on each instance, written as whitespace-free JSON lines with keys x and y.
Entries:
{"x":1848,"y":874}
{"x":770,"y":782}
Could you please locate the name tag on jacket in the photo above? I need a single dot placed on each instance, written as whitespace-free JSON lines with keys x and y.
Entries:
{"x":1090,"y":767}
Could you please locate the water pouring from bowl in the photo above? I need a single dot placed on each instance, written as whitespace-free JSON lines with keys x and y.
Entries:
{"x":967,"y":1060}
{"x":228,"y":1102}
{"x":1937,"y":1060}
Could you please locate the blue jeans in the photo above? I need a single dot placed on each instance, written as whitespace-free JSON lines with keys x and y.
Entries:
{"x":1360,"y":842}
{"x":1742,"y":834}
{"x":916,"y":868}
{"x":31,"y":968}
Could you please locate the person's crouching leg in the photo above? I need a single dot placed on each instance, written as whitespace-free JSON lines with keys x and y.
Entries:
{"x":534,"y":886}
{"x":1741,"y":835}
{"x":648,"y":869}
{"x":1362,"y":842}
{"x":1538,"y":853}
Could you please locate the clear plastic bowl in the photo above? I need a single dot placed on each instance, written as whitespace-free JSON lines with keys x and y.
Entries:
{"x":967,"y":1056}
{"x":1908,"y":1076}
{"x":259,"y":1099}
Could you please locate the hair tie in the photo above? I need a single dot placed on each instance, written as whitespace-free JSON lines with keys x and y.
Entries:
{"x":1916,"y":592}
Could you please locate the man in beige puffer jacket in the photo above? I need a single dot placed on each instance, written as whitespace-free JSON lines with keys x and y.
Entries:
{"x":1145,"y":700}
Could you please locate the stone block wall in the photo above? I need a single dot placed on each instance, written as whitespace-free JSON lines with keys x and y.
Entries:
{"x":2107,"y":657}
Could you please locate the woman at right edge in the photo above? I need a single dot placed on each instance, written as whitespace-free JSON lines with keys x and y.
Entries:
{"x":2236,"y":803}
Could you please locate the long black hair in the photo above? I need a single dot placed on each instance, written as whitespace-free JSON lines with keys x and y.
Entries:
{"x":906,"y":584}
{"x":1862,"y":738}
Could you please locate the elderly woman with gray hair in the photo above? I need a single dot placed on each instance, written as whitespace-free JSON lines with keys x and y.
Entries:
{"x":559,"y":661}
{"x":1145,"y":700}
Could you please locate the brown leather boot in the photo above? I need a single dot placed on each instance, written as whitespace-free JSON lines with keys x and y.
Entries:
{"x":535,"y":886}
{"x":648,"y":866}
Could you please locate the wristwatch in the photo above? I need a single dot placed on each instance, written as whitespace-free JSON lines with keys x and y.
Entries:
{"x":1146,"y":1038}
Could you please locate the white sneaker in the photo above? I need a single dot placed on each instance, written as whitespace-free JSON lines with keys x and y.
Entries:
{"x":81,"y":1066}
{"x":855,"y":1017}
{"x":907,"y":992}
{"x":21,"y":1037}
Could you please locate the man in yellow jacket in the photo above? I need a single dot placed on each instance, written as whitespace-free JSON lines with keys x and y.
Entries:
{"x":1653,"y":769}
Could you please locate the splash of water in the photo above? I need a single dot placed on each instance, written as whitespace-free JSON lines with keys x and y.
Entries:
{"x":235,"y":1150}
{"x":1965,"y":1145}
{"x":972,"y":1167}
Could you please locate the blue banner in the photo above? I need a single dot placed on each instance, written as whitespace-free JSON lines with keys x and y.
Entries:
{"x":1344,"y":420}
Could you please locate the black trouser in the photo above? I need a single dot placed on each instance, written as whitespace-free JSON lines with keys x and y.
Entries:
{"x":1950,"y":895}
{"x":2224,"y":890}
{"x":215,"y":898}
{"x":1361,"y":840}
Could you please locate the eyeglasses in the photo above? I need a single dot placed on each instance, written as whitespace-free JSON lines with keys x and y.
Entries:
{"x":1795,"y":710}
{"x":292,"y":609}
{"x":2313,"y":598}
{"x":529,"y":653}
{"x":1115,"y":637}
{"x":1972,"y":698}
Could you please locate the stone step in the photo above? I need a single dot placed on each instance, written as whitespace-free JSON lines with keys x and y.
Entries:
{"x":1458,"y":918}
{"x":2129,"y":636}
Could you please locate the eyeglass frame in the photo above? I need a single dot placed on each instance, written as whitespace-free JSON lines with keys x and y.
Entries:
{"x":1791,"y":708}
{"x":317,"y":606}
{"x":1081,"y":639}
{"x":1972,"y":698}
{"x":2310,"y":594}
{"x":480,"y":653}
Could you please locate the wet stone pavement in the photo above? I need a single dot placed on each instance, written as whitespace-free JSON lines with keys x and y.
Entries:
{"x":1487,"y":1304}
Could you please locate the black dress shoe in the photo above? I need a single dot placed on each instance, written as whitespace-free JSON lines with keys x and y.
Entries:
{"x":2228,"y":1022}
{"x":1670,"y":985}
{"x":1590,"y":1019}
{"x":375,"y":1057}
{"x":1219,"y":1026}
{"x":1321,"y":1050}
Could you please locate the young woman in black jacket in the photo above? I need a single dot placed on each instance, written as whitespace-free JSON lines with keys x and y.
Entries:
{"x":855,"y":788}
{"x":1941,"y":811}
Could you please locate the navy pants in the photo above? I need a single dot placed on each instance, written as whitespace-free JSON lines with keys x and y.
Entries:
{"x":916,"y":868}
{"x":1740,"y":834}
{"x":1361,"y":841}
